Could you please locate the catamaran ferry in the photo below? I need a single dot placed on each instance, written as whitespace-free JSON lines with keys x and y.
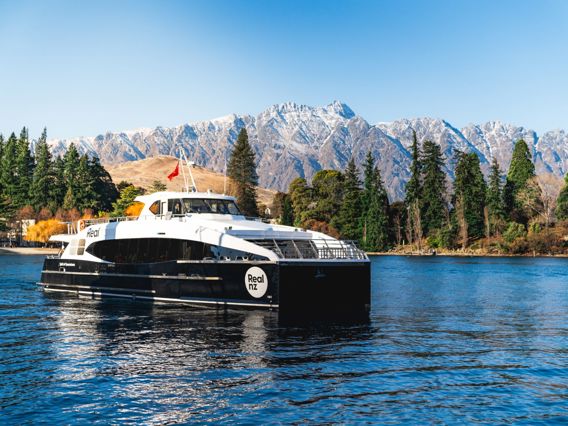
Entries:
{"x":197,"y":248}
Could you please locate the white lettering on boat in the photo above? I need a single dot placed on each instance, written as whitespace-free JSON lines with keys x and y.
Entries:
{"x":256,"y":282}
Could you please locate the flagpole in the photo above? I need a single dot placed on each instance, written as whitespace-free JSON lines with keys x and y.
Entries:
{"x":189,"y":164}
{"x":185,"y":182}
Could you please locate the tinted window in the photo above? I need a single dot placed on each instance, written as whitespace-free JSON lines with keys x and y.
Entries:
{"x":196,"y":205}
{"x":149,"y":250}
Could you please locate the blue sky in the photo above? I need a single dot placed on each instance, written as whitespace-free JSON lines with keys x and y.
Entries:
{"x":81,"y":68}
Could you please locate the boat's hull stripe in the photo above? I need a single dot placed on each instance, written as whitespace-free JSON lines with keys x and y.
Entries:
{"x":163,"y":277}
{"x":185,"y":300}
{"x":75,"y":286}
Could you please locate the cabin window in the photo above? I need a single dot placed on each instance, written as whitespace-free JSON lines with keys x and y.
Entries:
{"x":174,"y":206}
{"x":197,"y":205}
{"x":155,"y":208}
{"x":149,"y":250}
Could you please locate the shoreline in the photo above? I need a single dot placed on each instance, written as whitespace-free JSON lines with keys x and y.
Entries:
{"x":49,"y":251}
{"x":458,"y":254}
{"x":28,"y":251}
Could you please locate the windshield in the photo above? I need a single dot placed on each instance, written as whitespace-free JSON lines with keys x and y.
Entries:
{"x":197,"y":205}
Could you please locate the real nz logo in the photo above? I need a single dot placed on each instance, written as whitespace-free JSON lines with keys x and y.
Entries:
{"x":256,"y":282}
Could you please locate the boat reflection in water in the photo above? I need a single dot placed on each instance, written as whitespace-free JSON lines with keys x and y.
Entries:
{"x":166,"y":355}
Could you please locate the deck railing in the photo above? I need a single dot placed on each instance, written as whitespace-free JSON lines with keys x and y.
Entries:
{"x":312,"y":248}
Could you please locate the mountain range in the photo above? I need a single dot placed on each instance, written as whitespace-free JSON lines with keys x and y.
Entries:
{"x":292,"y":140}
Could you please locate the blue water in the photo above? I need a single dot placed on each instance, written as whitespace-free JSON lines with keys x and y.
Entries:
{"x":449,"y":340}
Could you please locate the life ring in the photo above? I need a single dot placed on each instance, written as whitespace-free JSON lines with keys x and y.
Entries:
{"x":81,"y":224}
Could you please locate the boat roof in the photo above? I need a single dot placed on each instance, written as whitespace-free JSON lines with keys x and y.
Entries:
{"x":170,"y":195}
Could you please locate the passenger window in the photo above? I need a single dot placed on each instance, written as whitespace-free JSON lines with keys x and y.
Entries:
{"x":155,"y":208}
{"x":81,"y":247}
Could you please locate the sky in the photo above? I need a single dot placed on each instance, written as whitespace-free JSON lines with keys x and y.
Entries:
{"x":83,"y":68}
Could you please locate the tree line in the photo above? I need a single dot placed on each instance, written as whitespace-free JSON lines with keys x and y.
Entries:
{"x":516,"y":213}
{"x":37,"y":185}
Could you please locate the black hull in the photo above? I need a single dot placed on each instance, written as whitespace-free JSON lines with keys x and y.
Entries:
{"x":294,"y":289}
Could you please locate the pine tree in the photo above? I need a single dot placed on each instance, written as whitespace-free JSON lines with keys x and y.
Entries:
{"x":368,"y":182}
{"x":350,"y":210}
{"x":413,"y":185}
{"x":469,"y":195}
{"x":287,"y":217}
{"x":562,"y":202}
{"x":301,"y":196}
{"x":71,"y":164}
{"x":1,"y":155}
{"x":327,"y":187}
{"x":520,"y":171}
{"x":24,"y":170}
{"x":495,"y":205}
{"x":376,"y":217}
{"x":8,"y":175}
{"x":59,"y":188}
{"x":413,"y":194}
{"x":85,"y":194}
{"x":105,"y":191}
{"x":433,"y":204}
{"x":43,"y":178}
{"x":242,"y":172}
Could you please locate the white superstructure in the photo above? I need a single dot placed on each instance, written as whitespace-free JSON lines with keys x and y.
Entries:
{"x":205,"y":218}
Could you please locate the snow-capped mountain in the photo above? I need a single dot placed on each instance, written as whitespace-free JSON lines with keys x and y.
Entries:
{"x":293,"y":140}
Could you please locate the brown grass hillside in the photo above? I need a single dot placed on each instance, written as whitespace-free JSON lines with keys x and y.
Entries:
{"x":144,"y":172}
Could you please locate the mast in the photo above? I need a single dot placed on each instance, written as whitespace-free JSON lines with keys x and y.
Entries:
{"x":185,"y":182}
{"x":189,"y":164}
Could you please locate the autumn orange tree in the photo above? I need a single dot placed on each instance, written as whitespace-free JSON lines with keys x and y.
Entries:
{"x":44,"y":229}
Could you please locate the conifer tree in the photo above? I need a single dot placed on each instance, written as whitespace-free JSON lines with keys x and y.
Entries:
{"x":327,"y":187}
{"x":301,"y":196}
{"x":287,"y":212}
{"x":43,"y":178}
{"x":85,"y":194}
{"x":24,"y":170}
{"x":242,"y":172}
{"x":433,"y":188}
{"x":105,"y":191}
{"x":59,"y":189}
{"x":495,"y":205}
{"x":469,"y":195}
{"x":413,"y":185}
{"x":520,"y":171}
{"x":350,"y":210}
{"x":8,"y":175}
{"x":412,"y":196}
{"x":562,"y":202}
{"x":376,"y":221}
{"x":368,"y":182}
{"x":71,"y":164}
{"x":1,"y":155}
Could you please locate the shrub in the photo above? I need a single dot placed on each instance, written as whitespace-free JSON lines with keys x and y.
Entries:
{"x":514,"y":231}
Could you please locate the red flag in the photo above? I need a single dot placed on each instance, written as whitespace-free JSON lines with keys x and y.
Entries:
{"x":174,"y":173}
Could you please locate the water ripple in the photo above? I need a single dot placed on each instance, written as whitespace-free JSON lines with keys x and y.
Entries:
{"x":448,"y":341}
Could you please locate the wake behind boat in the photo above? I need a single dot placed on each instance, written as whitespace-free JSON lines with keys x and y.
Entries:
{"x":197,"y":248}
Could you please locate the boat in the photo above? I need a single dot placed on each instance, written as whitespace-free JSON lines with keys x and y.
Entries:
{"x":197,"y":248}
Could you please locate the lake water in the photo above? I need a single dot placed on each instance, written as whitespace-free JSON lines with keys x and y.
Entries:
{"x":449,"y":340}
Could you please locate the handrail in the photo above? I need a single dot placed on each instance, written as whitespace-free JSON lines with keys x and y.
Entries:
{"x":306,"y":248}
{"x":73,"y":228}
